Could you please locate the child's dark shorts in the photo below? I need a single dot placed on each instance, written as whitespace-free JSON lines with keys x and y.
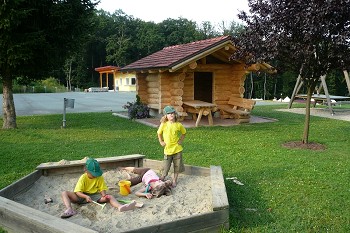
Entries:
{"x":96,"y":197}
{"x":177,"y":161}
{"x":140,"y":171}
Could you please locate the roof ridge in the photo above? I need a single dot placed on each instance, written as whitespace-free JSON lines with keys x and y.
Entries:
{"x":196,"y":42}
{"x":173,"y":55}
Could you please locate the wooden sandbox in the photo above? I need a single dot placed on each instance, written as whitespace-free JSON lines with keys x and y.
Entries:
{"x":16,"y":217}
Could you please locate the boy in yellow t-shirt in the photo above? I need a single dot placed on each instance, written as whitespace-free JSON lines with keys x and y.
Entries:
{"x":171,"y":134}
{"x":91,"y":185}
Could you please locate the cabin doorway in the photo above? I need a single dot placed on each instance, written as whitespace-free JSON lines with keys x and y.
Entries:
{"x":203,"y":86}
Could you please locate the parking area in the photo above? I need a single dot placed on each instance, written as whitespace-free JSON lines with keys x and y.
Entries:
{"x":53,"y":103}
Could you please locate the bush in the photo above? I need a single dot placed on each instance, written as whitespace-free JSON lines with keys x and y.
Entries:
{"x":137,"y":110}
{"x":49,"y":85}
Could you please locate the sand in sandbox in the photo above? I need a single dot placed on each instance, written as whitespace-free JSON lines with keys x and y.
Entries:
{"x":192,"y":196}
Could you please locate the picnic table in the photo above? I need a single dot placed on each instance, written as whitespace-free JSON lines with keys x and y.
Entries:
{"x":201,"y":108}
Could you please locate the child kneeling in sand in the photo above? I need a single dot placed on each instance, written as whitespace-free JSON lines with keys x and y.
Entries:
{"x":91,"y":185}
{"x":153,"y":185}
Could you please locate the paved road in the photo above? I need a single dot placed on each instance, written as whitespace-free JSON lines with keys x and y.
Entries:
{"x":53,"y":103}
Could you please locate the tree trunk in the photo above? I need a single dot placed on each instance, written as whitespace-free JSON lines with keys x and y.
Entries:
{"x":252,"y":85}
{"x":310,"y":90}
{"x":264,"y":87}
{"x":69,"y":82}
{"x":8,"y":105}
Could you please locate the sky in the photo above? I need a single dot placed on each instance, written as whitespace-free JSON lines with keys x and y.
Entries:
{"x":195,"y":10}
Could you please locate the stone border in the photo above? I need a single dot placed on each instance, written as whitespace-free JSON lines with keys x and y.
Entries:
{"x":16,"y":217}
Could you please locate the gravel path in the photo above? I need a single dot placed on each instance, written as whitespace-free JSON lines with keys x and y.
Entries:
{"x":339,"y":114}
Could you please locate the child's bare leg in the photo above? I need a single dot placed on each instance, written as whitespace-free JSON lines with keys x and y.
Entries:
{"x":128,"y":169}
{"x":120,"y":206}
{"x":67,"y":198}
{"x":126,"y":207}
{"x":175,"y":179}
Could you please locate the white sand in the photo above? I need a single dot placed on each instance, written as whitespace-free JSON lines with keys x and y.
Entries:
{"x":192,"y":196}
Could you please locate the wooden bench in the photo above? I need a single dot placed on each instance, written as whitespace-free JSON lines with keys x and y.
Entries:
{"x":182,"y":115}
{"x":237,"y":108}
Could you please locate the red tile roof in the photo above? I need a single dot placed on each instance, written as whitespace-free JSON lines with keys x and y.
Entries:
{"x":106,"y":68}
{"x":173,"y":55}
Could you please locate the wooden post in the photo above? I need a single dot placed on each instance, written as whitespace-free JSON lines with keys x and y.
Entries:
{"x":297,"y":87}
{"x":323,"y":81}
{"x":115,"y":80}
{"x":319,"y":89}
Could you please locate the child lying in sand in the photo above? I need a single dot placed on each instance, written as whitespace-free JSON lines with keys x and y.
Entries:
{"x":153,"y":185}
{"x":90,"y":186}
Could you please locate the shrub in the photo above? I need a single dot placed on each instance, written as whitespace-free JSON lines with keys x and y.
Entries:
{"x":137,"y":110}
{"x":49,"y":85}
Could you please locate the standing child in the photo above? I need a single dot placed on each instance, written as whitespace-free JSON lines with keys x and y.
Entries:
{"x":91,"y":185}
{"x":171,"y":134}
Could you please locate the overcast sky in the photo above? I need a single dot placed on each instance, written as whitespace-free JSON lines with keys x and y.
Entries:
{"x":195,"y":10}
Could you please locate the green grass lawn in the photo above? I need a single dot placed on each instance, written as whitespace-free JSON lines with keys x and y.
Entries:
{"x":285,"y":190}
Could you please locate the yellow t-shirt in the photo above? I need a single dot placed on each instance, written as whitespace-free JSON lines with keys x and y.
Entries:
{"x":90,"y":186}
{"x":171,"y":133}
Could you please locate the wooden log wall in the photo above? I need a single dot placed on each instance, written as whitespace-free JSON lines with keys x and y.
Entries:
{"x":153,"y":89}
{"x":172,"y":84}
{"x":228,"y":82}
{"x":141,"y":87}
{"x":188,"y":88}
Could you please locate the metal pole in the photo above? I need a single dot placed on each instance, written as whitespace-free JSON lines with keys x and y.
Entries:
{"x":64,"y":113}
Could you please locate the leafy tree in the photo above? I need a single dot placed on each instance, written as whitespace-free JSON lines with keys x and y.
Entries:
{"x":233,"y":29}
{"x":35,"y":37}
{"x":308,"y":37}
{"x":119,"y":42}
{"x":178,"y":31}
{"x":95,"y":53}
{"x":149,"y":38}
{"x":131,"y":39}
{"x":207,"y":30}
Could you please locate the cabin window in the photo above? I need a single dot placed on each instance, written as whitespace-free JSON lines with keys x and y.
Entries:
{"x":133,"y":81}
{"x":203,"y":86}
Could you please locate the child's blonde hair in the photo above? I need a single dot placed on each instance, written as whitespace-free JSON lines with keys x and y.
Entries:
{"x":165,"y":119}
{"x":166,"y":111}
{"x":162,"y":189}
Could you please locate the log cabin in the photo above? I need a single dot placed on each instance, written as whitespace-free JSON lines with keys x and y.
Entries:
{"x":201,"y":70}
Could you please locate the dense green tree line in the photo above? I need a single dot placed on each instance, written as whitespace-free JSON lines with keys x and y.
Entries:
{"x":119,"y":39}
